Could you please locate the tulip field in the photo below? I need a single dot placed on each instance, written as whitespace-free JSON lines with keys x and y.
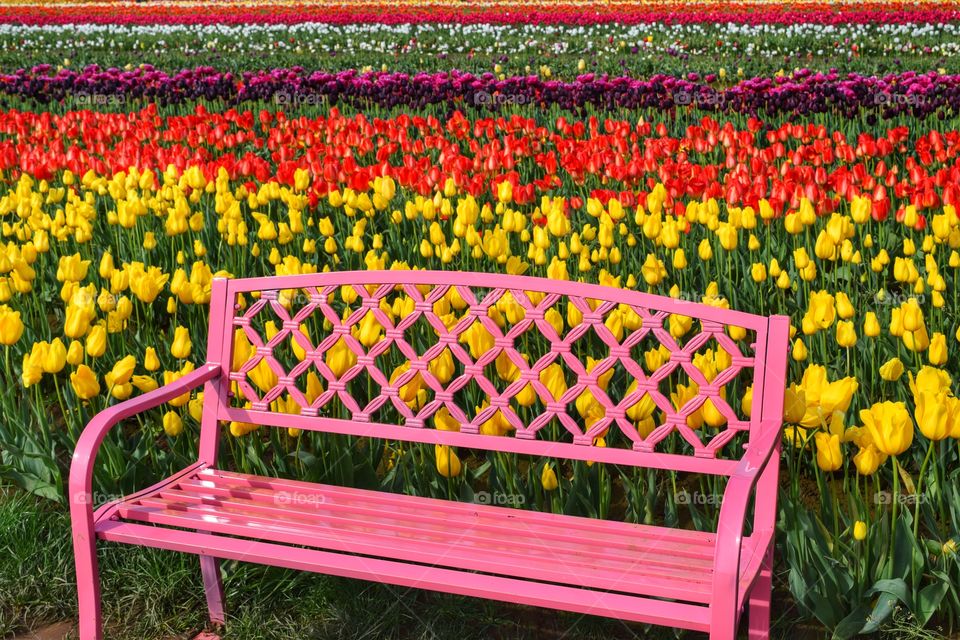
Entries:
{"x":798,"y":158}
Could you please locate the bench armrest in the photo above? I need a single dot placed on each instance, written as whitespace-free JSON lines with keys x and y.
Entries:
{"x":733,"y":510}
{"x":81,"y":467}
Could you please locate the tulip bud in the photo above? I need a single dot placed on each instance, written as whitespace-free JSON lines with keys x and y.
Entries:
{"x":181,"y":346}
{"x":799,"y":350}
{"x":871,"y":326}
{"x":172,"y":423}
{"x":448,"y":464}
{"x":829,"y":456}
{"x":548,"y":478}
{"x":859,"y":530}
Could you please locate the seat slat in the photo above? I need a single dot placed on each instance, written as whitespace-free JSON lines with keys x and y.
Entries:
{"x":630,"y":579}
{"x":420,"y":515}
{"x":451,"y":509}
{"x":654,"y":557}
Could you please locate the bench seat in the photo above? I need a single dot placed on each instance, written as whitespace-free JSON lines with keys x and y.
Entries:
{"x":605,"y":565}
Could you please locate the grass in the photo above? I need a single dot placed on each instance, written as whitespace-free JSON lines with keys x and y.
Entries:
{"x":157,"y":595}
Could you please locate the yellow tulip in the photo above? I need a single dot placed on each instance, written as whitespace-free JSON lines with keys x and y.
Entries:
{"x":75,"y":353}
{"x":121,"y":372}
{"x":871,"y":326}
{"x":794,"y":404}
{"x":172,"y":423}
{"x":797,"y":436}
{"x":478,"y":339}
{"x":263,"y":376}
{"x":55,"y":358}
{"x":891,"y":370}
{"x":442,"y":367}
{"x":937,"y":355}
{"x":77,"y":322}
{"x":799,"y":352}
{"x":758,"y":272}
{"x":72,"y":268}
{"x":370,"y":331}
{"x":411,"y":389}
{"x":679,"y":259}
{"x":641,"y":409}
{"x":340,"y":357}
{"x":504,"y":194}
{"x":823,"y":397}
{"x":746,"y":403}
{"x":553,"y":379}
{"x":680,"y":325}
{"x":911,"y":315}
{"x":930,"y":379}
{"x":821,"y":309}
{"x":704,"y":250}
{"x":859,"y":530}
{"x":96,"y":343}
{"x":448,"y":464}
{"x":548,"y":478}
{"x":181,"y":346}
{"x":844,"y":306}
{"x":681,"y":396}
{"x":146,"y":283}
{"x":846,"y":334}
{"x":931,"y":415}
{"x":889,"y":426}
{"x":916,"y":341}
{"x":11,"y":326}
{"x":443,"y":421}
{"x":150,"y":360}
{"x":144,"y":383}
{"x":32,"y":371}
{"x":829,"y":456}
{"x":84,"y":382}
{"x":868,"y":460}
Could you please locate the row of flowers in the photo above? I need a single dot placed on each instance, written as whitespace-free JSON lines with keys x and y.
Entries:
{"x":614,"y":48}
{"x":497,"y":12}
{"x":791,"y":171}
{"x":801,"y":93}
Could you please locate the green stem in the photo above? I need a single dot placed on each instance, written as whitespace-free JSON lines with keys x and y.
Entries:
{"x":919,"y":496}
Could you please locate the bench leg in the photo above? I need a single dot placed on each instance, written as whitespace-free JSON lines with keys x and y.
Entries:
{"x":213,"y":586}
{"x":88,"y":584}
{"x":760,"y":596}
{"x":725,"y":630}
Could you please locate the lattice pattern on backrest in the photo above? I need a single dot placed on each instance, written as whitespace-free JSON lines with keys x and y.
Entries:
{"x":497,"y":356}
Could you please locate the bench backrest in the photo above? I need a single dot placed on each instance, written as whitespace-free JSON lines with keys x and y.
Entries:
{"x":498,"y":362}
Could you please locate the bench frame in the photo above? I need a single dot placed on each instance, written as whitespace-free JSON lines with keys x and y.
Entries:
{"x":754,"y":476}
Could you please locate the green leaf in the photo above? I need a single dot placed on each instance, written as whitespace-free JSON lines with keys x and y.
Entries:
{"x":852,"y":624}
{"x":929,"y":600}
{"x":896,"y":587}
{"x":881,"y":612}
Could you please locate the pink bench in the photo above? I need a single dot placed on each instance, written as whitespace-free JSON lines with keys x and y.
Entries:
{"x":481,"y":326}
